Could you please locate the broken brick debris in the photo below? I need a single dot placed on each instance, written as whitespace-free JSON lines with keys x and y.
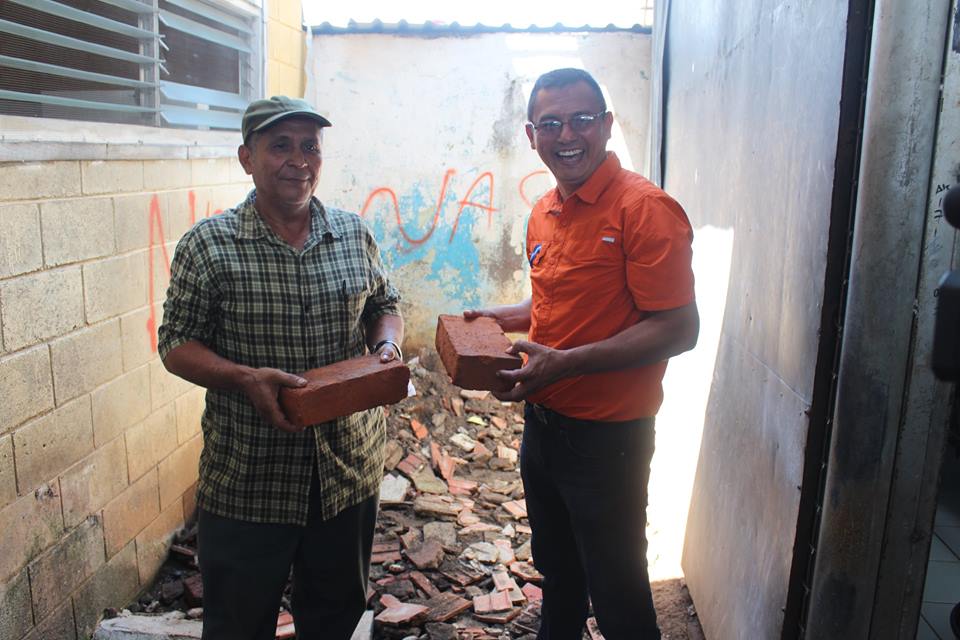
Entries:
{"x":410,"y":465}
{"x":419,"y":430}
{"x":525,"y":571}
{"x":402,"y":614}
{"x":424,"y":584}
{"x":492,"y":602}
{"x":343,"y":388}
{"x":532,"y":592}
{"x":193,"y":590}
{"x":285,"y":626}
{"x":516,"y":508}
{"x":473,"y":351}
{"x":428,"y":555}
{"x":446,"y":606}
{"x":483,"y":504}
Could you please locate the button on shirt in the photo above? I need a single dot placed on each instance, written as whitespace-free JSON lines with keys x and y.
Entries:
{"x":249,"y":296}
{"x":600,"y":261}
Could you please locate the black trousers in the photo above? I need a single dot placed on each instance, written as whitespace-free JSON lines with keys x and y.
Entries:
{"x":586,"y":493}
{"x":245,"y":566}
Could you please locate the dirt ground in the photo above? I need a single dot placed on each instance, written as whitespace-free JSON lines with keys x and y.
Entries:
{"x":457,"y":533}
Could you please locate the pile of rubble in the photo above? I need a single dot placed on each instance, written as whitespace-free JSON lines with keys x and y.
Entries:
{"x":451,"y":555}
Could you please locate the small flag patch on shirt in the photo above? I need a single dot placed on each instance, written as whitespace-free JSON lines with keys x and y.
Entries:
{"x":609,"y":239}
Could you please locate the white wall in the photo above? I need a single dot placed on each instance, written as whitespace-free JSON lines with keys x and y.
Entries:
{"x":411,"y":114}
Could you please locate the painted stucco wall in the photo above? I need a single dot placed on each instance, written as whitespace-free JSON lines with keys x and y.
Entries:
{"x":428,"y":145}
{"x":286,"y":48}
{"x":98,"y":443}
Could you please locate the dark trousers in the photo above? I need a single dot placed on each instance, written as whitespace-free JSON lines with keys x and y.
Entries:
{"x":245,"y":566}
{"x":586,"y":493}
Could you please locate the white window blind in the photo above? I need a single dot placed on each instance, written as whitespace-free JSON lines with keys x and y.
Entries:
{"x":172,"y":63}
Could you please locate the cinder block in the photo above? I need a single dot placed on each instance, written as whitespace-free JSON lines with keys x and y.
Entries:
{"x":179,"y":471}
{"x":113,"y":286}
{"x":473,"y":351}
{"x":21,"y":249}
{"x":29,"y":525}
{"x":126,"y":515}
{"x":36,"y":180}
{"x":8,"y":480}
{"x":345,"y":387}
{"x":111,"y":176}
{"x":120,"y":403}
{"x":153,"y":542}
{"x":59,"y":625}
{"x":62,"y":568}
{"x":239,"y":175}
{"x":208,"y":171}
{"x":283,"y":43}
{"x":75,"y":230}
{"x":135,"y":330}
{"x":74,"y":371}
{"x":180,"y":216}
{"x":160,"y":175}
{"x":25,"y":386}
{"x":151,"y":441}
{"x":115,"y":583}
{"x":91,"y":483}
{"x":15,"y":615}
{"x":40,"y":306}
{"x":189,"y":412}
{"x":47,"y":446}
{"x":164,"y":386}
{"x":131,"y":222}
{"x":161,"y":268}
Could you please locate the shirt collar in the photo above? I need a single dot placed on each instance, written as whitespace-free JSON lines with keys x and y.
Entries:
{"x":251,"y":226}
{"x":590,"y":191}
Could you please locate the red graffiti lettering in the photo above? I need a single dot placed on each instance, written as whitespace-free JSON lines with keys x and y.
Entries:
{"x":158,"y":240}
{"x":466,"y":202}
{"x":156,"y":222}
{"x":523,"y":194}
{"x":396,"y":209}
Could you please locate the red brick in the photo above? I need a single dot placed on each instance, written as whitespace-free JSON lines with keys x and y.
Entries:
{"x":405,"y":614}
{"x":446,"y":606}
{"x":492,"y":602}
{"x":345,"y":387}
{"x":525,"y":571}
{"x":418,"y":429}
{"x":516,"y":508}
{"x":473,"y":351}
{"x":285,"y":628}
{"x":193,"y":590}
{"x":461,"y":487}
{"x":423,"y":582}
{"x":533,"y":592}
{"x":429,"y":555}
{"x":497,"y":618}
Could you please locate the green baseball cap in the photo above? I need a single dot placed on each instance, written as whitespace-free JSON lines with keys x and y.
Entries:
{"x":261,"y":114}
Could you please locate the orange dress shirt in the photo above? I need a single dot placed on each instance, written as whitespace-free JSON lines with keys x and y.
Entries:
{"x":617,"y":248}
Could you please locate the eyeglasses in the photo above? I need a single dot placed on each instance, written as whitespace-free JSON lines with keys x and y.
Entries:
{"x":578,"y":123}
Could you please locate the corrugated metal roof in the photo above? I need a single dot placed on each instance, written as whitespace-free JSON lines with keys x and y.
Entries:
{"x":454,"y":28}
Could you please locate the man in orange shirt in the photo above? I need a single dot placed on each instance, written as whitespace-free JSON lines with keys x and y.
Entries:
{"x":613,"y":299}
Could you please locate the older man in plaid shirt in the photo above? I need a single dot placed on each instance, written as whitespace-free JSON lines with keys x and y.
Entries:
{"x":279,"y":285}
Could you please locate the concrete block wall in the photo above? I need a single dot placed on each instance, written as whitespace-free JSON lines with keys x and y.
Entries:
{"x":286,"y":48}
{"x":98,"y":443}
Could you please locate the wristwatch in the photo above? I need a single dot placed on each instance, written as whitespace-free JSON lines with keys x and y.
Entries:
{"x":395,"y":346}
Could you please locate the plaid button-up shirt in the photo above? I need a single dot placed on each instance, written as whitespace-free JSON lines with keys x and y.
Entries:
{"x":249,"y":296}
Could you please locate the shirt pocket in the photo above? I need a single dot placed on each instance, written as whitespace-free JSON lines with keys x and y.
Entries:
{"x":334,"y":314}
{"x":592,"y":271}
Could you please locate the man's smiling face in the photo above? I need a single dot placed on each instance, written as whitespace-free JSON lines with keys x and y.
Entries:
{"x":284,"y":161}
{"x":572,"y":156}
